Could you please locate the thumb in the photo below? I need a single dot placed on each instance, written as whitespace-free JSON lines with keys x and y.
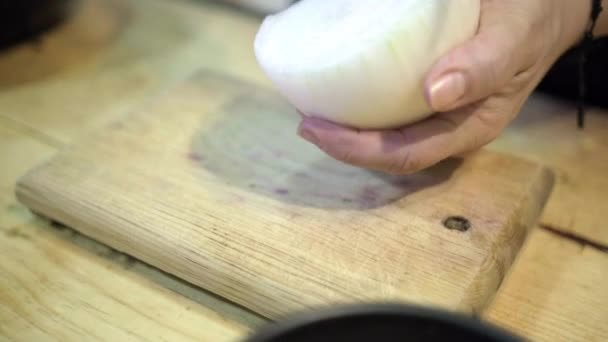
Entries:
{"x":473,"y":71}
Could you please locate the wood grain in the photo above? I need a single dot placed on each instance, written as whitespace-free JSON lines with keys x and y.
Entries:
{"x":210,"y":183}
{"x":100,"y":65}
{"x":52,"y":290}
{"x":546,"y":132}
{"x":555,"y":292}
{"x":119,"y":68}
{"x":56,"y":284}
{"x":18,"y":154}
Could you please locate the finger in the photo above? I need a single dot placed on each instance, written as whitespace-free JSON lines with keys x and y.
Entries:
{"x":476,"y":69}
{"x":402,"y":151}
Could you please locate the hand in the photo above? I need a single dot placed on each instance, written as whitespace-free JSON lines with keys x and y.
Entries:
{"x":476,"y":90}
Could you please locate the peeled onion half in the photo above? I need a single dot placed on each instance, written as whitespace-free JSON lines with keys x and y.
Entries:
{"x":361,"y":63}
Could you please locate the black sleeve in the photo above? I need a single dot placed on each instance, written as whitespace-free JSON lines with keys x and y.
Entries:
{"x":562,"y":80}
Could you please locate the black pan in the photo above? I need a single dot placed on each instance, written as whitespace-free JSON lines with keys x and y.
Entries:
{"x":380,"y":323}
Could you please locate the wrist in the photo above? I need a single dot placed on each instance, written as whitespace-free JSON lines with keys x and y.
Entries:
{"x":574,"y":20}
{"x":577,"y":16}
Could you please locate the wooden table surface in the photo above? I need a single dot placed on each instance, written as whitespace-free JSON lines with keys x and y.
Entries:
{"x":115,"y":55}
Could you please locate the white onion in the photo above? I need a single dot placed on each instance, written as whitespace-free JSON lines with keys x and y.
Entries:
{"x":361,"y":63}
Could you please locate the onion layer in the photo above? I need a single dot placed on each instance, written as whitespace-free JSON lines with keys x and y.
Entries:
{"x":361,"y":63}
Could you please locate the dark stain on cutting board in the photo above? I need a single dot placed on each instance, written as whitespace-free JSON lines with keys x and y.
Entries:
{"x":253,"y":145}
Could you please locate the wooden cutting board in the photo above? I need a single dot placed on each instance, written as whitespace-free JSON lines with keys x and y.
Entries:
{"x":210,"y":183}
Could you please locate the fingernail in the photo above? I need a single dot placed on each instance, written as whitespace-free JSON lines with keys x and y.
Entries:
{"x":446,"y":91}
{"x":308,"y":135}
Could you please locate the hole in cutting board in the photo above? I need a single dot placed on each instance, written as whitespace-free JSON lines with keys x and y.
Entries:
{"x":253,"y":145}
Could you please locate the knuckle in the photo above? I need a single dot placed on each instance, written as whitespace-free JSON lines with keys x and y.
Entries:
{"x":488,"y":120}
{"x":493,"y":66}
{"x":491,"y":124}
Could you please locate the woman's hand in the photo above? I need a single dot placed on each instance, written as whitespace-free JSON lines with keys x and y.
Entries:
{"x":477,"y":89}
